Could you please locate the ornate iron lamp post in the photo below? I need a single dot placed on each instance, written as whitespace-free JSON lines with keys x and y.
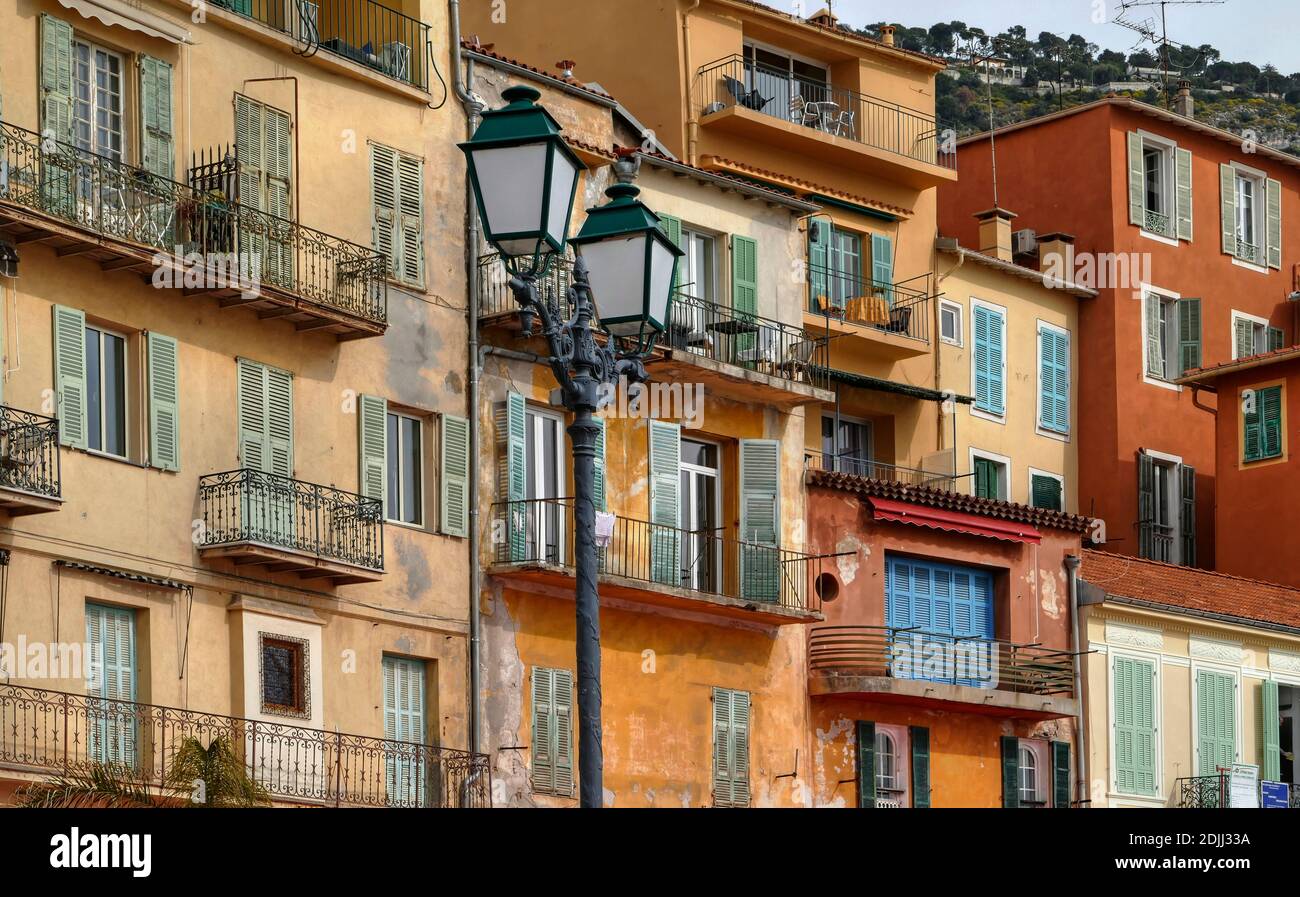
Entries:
{"x":525,"y":179}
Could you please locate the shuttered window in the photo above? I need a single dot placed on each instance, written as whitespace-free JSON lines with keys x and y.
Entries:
{"x":1262,"y":434}
{"x":760,"y":519}
{"x":731,"y":713}
{"x":70,"y":374}
{"x":1216,"y":721}
{"x":112,"y":733}
{"x":263,"y":139}
{"x":164,"y":401}
{"x":454,"y":473}
{"x":372,"y":427}
{"x":56,"y":78}
{"x":672,"y":228}
{"x":512,"y":472}
{"x":1270,"y":732}
{"x":156,"y":138}
{"x":988,"y":360}
{"x":989,"y":478}
{"x":1046,"y":492}
{"x":940,"y":600}
{"x":265,"y":418}
{"x":744,"y":275}
{"x":404,"y":721}
{"x":1135,"y":725}
{"x":552,"y":747}
{"x":665,"y":502}
{"x":882,"y":265}
{"x":1054,"y":379}
{"x":820,"y":230}
{"x":397,"y":199}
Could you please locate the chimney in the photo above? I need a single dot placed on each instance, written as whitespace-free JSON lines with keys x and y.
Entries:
{"x":995,"y":233}
{"x":1183,"y":103}
{"x":887,"y":35}
{"x":1056,"y":255}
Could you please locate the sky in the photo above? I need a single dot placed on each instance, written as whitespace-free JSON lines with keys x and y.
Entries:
{"x":1258,"y":31}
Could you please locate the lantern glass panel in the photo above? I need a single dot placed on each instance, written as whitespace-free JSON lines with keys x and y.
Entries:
{"x":511,"y":181}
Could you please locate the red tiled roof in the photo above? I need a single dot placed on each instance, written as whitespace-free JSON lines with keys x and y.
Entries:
{"x":1192,"y":589}
{"x":950,"y":501}
{"x":810,"y":186}
{"x":1239,"y":364}
{"x":716,"y":173}
{"x":486,"y":50}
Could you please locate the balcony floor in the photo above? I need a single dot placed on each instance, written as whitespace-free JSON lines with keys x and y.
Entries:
{"x":286,"y":560}
{"x":940,"y":696}
{"x":743,"y":384}
{"x":863,"y":339}
{"x":17,"y":503}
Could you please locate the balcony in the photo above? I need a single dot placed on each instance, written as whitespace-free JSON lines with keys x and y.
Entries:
{"x":912,"y":666}
{"x":56,"y":733}
{"x":369,"y":34}
{"x":872,"y":135}
{"x":706,"y":571}
{"x":253,"y":518}
{"x":29,"y":462}
{"x":885,"y":319}
{"x":197,"y":241}
{"x":878,"y":470}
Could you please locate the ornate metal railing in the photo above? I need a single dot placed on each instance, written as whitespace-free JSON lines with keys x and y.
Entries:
{"x":251,"y":506}
{"x":920,"y":655}
{"x":746,"y":340}
{"x":58,"y":732}
{"x":238,"y":246}
{"x":877,"y":470}
{"x":365,"y":32}
{"x":29,"y":452}
{"x":495,"y":297}
{"x":899,"y":308}
{"x":1157,"y":223}
{"x":705,"y":561}
{"x":1201,"y":792}
{"x":734,"y":81}
{"x":1247,"y":252}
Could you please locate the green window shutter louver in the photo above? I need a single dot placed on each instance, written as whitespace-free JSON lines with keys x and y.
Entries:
{"x":157,"y":139}
{"x":920,"y":738}
{"x":866,"y":763}
{"x":1135,"y":729}
{"x":760,"y":519}
{"x":265,"y":418}
{"x":1270,"y":751}
{"x":731,"y":714}
{"x":1189,"y":334}
{"x":1136,"y":181}
{"x":1155,"y":353}
{"x":1216,"y":720}
{"x":1263,"y":425}
{"x":1273,"y":229}
{"x":279,"y":417}
{"x":372,"y":430}
{"x":1183,"y":197}
{"x":1243,"y":337}
{"x":512,"y":471}
{"x":672,"y":228}
{"x":56,"y":78}
{"x":819,"y":288}
{"x":665,"y":498}
{"x":70,"y":374}
{"x":1046,"y":493}
{"x":552,"y":747}
{"x":410,"y":175}
{"x":563,"y":710}
{"x":1010,"y":771}
{"x":404,"y":721}
{"x":1146,"y":504}
{"x":454,"y":476}
{"x":598,"y":481}
{"x":1276,"y":339}
{"x":164,"y":401}
{"x":744,"y":274}
{"x":384,"y":200}
{"x":882,"y":265}
{"x":1228,"y":208}
{"x":1060,"y":775}
{"x":1187,"y":514}
{"x":986,"y":479}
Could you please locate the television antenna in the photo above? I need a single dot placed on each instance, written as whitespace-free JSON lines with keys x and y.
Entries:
{"x":1146,"y":28}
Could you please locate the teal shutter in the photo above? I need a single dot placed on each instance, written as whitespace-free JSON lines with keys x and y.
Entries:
{"x":1276,"y":339}
{"x":1060,"y":775}
{"x":1136,"y":181}
{"x":1146,"y":505}
{"x":552,"y":747}
{"x":1228,"y":208}
{"x":882,"y":265}
{"x":111,"y":726}
{"x":1189,"y":334}
{"x":512,"y":472}
{"x":1054,"y":380}
{"x":164,"y":402}
{"x":989,"y":386}
{"x":1187,"y":514}
{"x":156,"y":138}
{"x":730,"y":748}
{"x":1216,"y":720}
{"x":404,"y":721}
{"x":1183,"y":192}
{"x":665,"y":498}
{"x":372,"y":420}
{"x":1135,"y":726}
{"x":1270,"y":750}
{"x":265,"y":418}
{"x":1045,"y":492}
{"x":672,"y":228}
{"x":1010,"y":771}
{"x":1263,"y":426}
{"x":598,"y":484}
{"x":70,"y":374}
{"x":986,"y":479}
{"x":819,"y":281}
{"x":1273,"y":229}
{"x":760,"y":519}
{"x":866,"y":763}
{"x":920,"y":738}
{"x":56,"y":78}
{"x":454,"y":476}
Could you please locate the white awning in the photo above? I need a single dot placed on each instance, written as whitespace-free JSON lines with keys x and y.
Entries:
{"x":124,"y":15}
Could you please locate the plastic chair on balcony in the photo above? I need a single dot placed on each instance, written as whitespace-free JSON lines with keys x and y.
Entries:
{"x":762,"y":351}
{"x":798,"y":359}
{"x":844,"y":124}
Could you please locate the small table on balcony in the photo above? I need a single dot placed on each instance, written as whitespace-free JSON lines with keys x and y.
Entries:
{"x":731,"y":329}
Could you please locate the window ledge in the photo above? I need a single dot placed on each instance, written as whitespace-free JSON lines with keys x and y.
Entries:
{"x":1053,"y":434}
{"x":1249,"y":266}
{"x":988,"y":415}
{"x":1159,"y":238}
{"x":1163,"y":384}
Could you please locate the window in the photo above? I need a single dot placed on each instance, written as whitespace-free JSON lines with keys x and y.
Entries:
{"x":698,"y":275}
{"x":1154,"y":171}
{"x":1160,"y":186}
{"x":405,"y":499}
{"x":730,"y":748}
{"x":1262,"y":424}
{"x":789,"y":84}
{"x":851,"y":452}
{"x":1251,"y":335}
{"x":835,"y":269}
{"x":1215,"y":703}
{"x":111,"y":638}
{"x":988,"y":361}
{"x":106,"y":391}
{"x":944,"y":602}
{"x":891,"y":766}
{"x":1251,"y":215}
{"x":701,"y":516}
{"x":530,"y":465}
{"x":1166,"y":509}
{"x":1029,"y":778}
{"x":950,"y":318}
{"x":1046,"y":490}
{"x":1172,"y":335}
{"x":845,"y":265}
{"x":397,"y":196}
{"x":1135,"y":754}
{"x":97,"y":100}
{"x":285,"y":687}
{"x":404,"y":721}
{"x":1053,"y":379}
{"x":992,"y":476}
{"x":1248,"y":225}
{"x":545,"y":485}
{"x":552,"y":746}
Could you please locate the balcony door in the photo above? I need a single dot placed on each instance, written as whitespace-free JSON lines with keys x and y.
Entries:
{"x":264,"y":148}
{"x":545,"y":487}
{"x":701,"y":516}
{"x":938,"y":603}
{"x":112,"y":727}
{"x":851,"y":451}
{"x":406,"y":757}
{"x":267,"y":500}
{"x":788,"y":83}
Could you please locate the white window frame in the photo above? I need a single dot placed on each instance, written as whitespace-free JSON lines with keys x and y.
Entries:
{"x":1236,"y":673}
{"x":422,"y":496}
{"x":1006,"y":326}
{"x":697,"y":579}
{"x":689,"y":234}
{"x":959,"y":322}
{"x":1168,"y":189}
{"x":126,"y":392}
{"x":1259,"y":332}
{"x":1069,"y":370}
{"x":1259,"y":217}
{"x":863,"y":422}
{"x":1173,"y":501}
{"x":1171,"y":333}
{"x":1039,"y":750}
{"x":1155,"y":659}
{"x":1004,"y":482}
{"x":534,"y":417}
{"x":93,"y":100}
{"x":1029,"y":484}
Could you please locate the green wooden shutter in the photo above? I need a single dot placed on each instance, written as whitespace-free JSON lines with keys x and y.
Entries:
{"x":1010,"y":771}
{"x":454,"y":476}
{"x":920,"y":738}
{"x":252,"y":415}
{"x":665,"y":498}
{"x":552,"y":747}
{"x":1187,"y":514}
{"x":1274,"y":224}
{"x":760,"y":519}
{"x":512,"y":471}
{"x":156,"y":138}
{"x":383,"y":205}
{"x":672,"y":228}
{"x":730,"y":748}
{"x":1183,"y":193}
{"x":1276,"y":339}
{"x":882,"y":265}
{"x":112,"y":728}
{"x":740,"y":718}
{"x":986,"y":479}
{"x":563,"y":710}
{"x":1146,"y":504}
{"x":56,"y":78}
{"x":1135,"y":726}
{"x":278,"y":149}
{"x":1252,"y":432}
{"x":1263,"y":426}
{"x":1228,"y":208}
{"x":404,"y":721}
{"x":70,"y":374}
{"x":1243,"y":338}
{"x":1189,"y":334}
{"x":1060,"y":775}
{"x":1270,"y":750}
{"x":1216,"y":721}
{"x":1154,"y":343}
{"x":279,"y":418}
{"x":248,"y":149}
{"x":819,"y":282}
{"x":866,"y":763}
{"x":744,"y":274}
{"x":410,"y":225}
{"x":1046,"y":492}
{"x":372,"y":432}
{"x":598,"y":483}
{"x":164,"y":402}
{"x":1137,"y":181}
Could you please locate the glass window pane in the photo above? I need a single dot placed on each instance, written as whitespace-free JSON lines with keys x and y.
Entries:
{"x":394,"y":469}
{"x":411,"y":449}
{"x":94,"y":393}
{"x":114,"y":394}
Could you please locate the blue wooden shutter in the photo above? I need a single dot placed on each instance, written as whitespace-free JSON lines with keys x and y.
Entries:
{"x":882,"y":265}
{"x":1135,"y":729}
{"x":989,"y":385}
{"x":1054,"y":380}
{"x":760,"y":518}
{"x":404,"y":721}
{"x":665,"y":502}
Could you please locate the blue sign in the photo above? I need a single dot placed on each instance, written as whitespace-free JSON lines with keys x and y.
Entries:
{"x":1274,"y":795}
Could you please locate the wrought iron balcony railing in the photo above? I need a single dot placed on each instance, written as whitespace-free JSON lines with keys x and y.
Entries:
{"x":1158,"y":223}
{"x":705,"y":561}
{"x":877,"y":470}
{"x":365,"y":32}
{"x":915,"y":654}
{"x":249,"y":506}
{"x":900,"y":308}
{"x":29,"y":453}
{"x":735,"y":81}
{"x":1247,"y":252}
{"x":495,"y":298}
{"x":1202,"y":792}
{"x":57,"y":732}
{"x":100,"y":196}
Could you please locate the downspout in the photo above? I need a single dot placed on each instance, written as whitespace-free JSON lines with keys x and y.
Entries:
{"x":1076,"y":641}
{"x":938,"y":351}
{"x":473,"y":109}
{"x":692,"y":116}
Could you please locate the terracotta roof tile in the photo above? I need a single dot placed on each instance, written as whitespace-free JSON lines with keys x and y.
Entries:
{"x":1192,"y":589}
{"x":1212,"y":371}
{"x":739,"y":181}
{"x":810,"y":186}
{"x":486,"y":50}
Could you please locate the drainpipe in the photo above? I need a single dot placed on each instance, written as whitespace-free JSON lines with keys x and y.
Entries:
{"x":938,"y":350}
{"x":473,"y":109}
{"x":692,"y":114}
{"x":1076,"y":641}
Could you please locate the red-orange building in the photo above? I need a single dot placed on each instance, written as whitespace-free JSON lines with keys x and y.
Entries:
{"x":1189,"y":234}
{"x":1257,"y":476}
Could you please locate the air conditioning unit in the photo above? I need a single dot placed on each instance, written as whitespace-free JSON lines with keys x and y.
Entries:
{"x":396,"y":60}
{"x":1024,"y":242}
{"x":302,"y":17}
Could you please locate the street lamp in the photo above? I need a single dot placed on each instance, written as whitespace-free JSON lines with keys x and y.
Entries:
{"x":525,"y":179}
